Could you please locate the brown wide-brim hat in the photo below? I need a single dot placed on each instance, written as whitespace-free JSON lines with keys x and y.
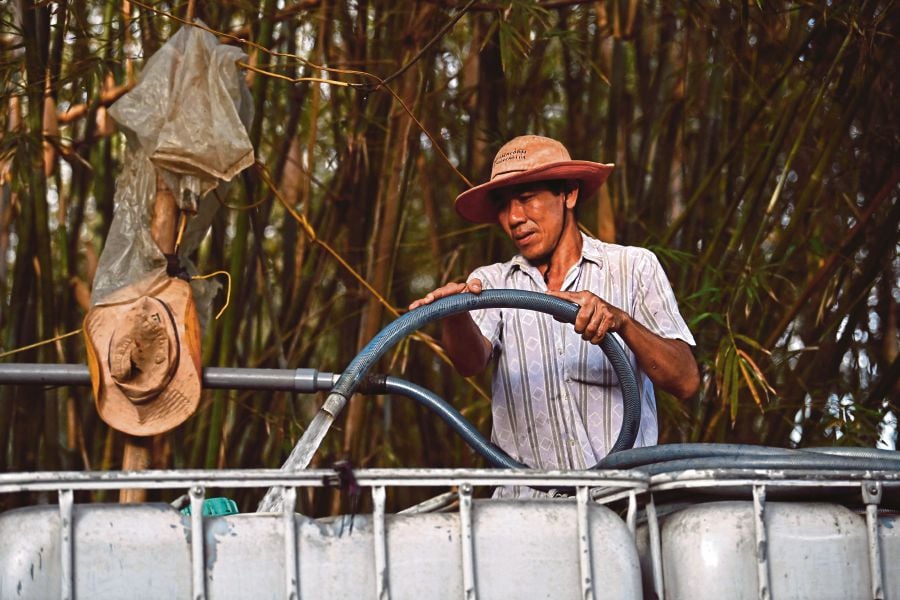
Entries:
{"x":526,"y":159}
{"x":143,"y":347}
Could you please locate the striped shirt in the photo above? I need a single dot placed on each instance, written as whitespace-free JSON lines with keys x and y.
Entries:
{"x":556,"y":399}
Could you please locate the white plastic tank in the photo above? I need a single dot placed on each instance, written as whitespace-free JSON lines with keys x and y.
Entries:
{"x":811,"y":550}
{"x":522,"y":549}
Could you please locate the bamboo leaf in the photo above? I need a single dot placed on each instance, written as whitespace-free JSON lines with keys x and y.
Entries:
{"x":751,"y":385}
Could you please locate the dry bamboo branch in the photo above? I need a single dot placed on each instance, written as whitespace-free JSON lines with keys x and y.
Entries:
{"x":107,"y":97}
{"x":833,"y":261}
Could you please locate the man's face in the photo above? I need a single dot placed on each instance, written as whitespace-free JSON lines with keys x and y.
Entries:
{"x":533,"y":215}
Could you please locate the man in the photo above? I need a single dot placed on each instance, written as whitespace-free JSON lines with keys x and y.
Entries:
{"x":556,"y":400}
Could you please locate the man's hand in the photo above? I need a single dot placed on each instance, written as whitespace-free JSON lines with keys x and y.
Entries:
{"x":461,"y":338}
{"x":669,"y":363}
{"x":449,"y":289}
{"x":595,"y":317}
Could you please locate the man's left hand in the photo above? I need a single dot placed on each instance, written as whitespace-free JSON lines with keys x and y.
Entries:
{"x":668,"y":362}
{"x":595,"y":317}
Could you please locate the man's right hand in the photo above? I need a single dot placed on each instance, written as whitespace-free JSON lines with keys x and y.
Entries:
{"x":473,"y":286}
{"x":465,"y":345}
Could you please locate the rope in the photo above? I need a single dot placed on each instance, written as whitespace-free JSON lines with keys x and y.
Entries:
{"x":227,"y":289}
{"x":38,"y":344}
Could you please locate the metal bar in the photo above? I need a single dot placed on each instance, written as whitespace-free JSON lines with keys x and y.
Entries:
{"x":584,"y":545}
{"x":847,"y":484}
{"x":435,"y":504}
{"x":655,"y":550}
{"x":807,"y":477}
{"x":871,"y":493}
{"x":198,"y":560}
{"x":79,"y":480}
{"x":608,"y":496}
{"x":762,"y":542}
{"x":66,"y":545}
{"x":42,"y":374}
{"x":379,"y":535}
{"x":631,"y":515}
{"x":223,"y":378}
{"x":291,"y":576}
{"x":628,"y":482}
{"x":470,"y":588}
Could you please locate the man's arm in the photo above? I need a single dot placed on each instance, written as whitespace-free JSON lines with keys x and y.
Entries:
{"x":669,"y":363}
{"x":469,"y":350}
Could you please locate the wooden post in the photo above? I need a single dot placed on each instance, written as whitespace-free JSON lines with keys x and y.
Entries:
{"x":136,"y":457}
{"x":163,"y":225}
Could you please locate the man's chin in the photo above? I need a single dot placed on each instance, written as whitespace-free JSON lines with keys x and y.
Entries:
{"x":533,"y":255}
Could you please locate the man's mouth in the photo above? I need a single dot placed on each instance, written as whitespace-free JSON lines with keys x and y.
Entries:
{"x":524,"y":237}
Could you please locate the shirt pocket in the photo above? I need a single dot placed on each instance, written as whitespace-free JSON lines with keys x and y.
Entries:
{"x":587,"y":364}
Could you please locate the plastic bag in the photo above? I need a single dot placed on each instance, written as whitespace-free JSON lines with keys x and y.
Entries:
{"x":188,"y":118}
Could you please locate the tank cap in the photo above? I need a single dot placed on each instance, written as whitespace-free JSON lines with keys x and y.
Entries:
{"x":215,"y":507}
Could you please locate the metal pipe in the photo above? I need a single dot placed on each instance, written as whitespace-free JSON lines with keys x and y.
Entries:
{"x":223,"y":378}
{"x":198,"y":536}
{"x":379,"y":538}
{"x":38,"y":374}
{"x":467,"y":542}
{"x":66,"y":544}
{"x":291,"y":570}
{"x":586,"y":560}
{"x":872,"y":493}
{"x":764,"y":589}
{"x":659,"y":584}
{"x":288,"y":380}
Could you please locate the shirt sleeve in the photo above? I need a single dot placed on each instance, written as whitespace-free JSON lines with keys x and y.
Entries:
{"x":488,"y":320}
{"x":655,"y":305}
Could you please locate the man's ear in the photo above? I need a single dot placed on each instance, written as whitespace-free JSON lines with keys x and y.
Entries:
{"x":572,"y":197}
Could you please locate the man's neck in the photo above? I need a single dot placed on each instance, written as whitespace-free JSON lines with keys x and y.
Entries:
{"x":566,"y":254}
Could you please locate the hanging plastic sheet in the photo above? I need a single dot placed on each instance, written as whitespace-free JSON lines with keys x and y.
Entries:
{"x":187,"y":119}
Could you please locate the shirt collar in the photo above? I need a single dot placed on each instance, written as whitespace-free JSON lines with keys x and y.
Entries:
{"x":591,"y":251}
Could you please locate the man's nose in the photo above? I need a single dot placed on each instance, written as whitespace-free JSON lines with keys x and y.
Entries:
{"x":516,"y":212}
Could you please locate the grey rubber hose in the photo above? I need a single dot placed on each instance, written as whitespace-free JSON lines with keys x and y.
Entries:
{"x":679,"y":457}
{"x":495,"y":457}
{"x":356,"y":371}
{"x":639,"y":457}
{"x":451,"y":305}
{"x":787,"y":460}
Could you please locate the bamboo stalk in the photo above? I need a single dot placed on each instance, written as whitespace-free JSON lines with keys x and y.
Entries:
{"x":238,"y":263}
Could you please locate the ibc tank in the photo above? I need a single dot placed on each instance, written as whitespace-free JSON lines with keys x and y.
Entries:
{"x":813,"y":550}
{"x":522,"y":549}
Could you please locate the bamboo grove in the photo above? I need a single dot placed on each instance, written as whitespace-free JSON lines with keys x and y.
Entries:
{"x":756,"y":152}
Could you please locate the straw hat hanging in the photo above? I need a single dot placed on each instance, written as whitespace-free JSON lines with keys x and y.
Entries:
{"x":144,"y":356}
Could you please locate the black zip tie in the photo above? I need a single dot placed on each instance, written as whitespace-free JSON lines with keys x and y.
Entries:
{"x":174,"y":268}
{"x":344,"y":479}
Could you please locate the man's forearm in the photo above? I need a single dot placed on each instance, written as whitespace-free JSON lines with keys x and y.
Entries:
{"x":669,"y":363}
{"x":465,"y":345}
